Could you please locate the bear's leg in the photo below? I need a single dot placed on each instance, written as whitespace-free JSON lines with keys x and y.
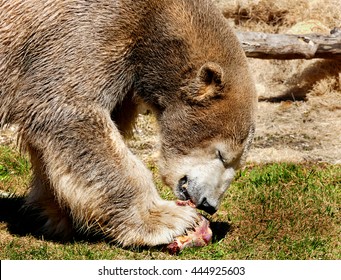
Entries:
{"x":57,"y":222}
{"x":104,"y":187}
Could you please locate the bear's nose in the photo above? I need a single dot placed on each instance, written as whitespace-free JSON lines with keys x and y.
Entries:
{"x":204,"y":205}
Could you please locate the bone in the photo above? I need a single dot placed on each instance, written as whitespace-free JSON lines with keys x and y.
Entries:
{"x":198,"y":237}
{"x":185,"y":203}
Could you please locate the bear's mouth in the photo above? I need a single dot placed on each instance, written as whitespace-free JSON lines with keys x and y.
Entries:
{"x":182,"y":189}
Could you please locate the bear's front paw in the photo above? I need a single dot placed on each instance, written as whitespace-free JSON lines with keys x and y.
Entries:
{"x":198,"y":237}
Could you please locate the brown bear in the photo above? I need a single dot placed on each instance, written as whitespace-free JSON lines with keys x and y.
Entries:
{"x":72,"y":74}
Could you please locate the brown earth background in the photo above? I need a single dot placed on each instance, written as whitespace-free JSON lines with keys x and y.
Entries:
{"x":299,"y":116}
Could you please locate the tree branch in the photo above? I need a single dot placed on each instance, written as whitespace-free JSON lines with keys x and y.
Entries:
{"x":287,"y":46}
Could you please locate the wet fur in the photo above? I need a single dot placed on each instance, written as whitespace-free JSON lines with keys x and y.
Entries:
{"x":71,"y":76}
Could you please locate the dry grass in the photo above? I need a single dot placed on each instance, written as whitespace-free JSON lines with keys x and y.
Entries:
{"x":278,"y":16}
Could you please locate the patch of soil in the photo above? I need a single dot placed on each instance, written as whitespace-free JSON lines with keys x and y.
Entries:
{"x":297,"y":131}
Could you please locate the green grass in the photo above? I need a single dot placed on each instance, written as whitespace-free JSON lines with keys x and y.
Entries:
{"x":11,"y":163}
{"x":272,"y":211}
{"x":14,"y":170}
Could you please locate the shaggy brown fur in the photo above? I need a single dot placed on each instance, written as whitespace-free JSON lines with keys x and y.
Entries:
{"x":71,"y":76}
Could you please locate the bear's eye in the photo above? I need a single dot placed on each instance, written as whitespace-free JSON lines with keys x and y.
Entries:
{"x":221,"y":158}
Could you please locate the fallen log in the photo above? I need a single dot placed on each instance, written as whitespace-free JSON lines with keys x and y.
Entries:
{"x":289,"y":46}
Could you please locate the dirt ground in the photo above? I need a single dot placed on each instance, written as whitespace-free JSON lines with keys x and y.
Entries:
{"x":298,"y":120}
{"x":299,"y":116}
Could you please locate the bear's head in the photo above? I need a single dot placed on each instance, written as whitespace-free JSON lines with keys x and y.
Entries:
{"x":194,"y":74}
{"x":207,"y":132}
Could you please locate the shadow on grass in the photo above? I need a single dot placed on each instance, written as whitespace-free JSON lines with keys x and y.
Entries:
{"x":220,"y":230}
{"x":22,"y":221}
{"x":25,"y":221}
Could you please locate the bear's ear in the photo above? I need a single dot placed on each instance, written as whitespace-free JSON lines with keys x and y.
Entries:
{"x":209,"y":83}
{"x":211,"y":74}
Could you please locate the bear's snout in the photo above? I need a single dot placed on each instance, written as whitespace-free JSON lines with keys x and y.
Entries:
{"x":188,"y":189}
{"x":208,"y":208}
